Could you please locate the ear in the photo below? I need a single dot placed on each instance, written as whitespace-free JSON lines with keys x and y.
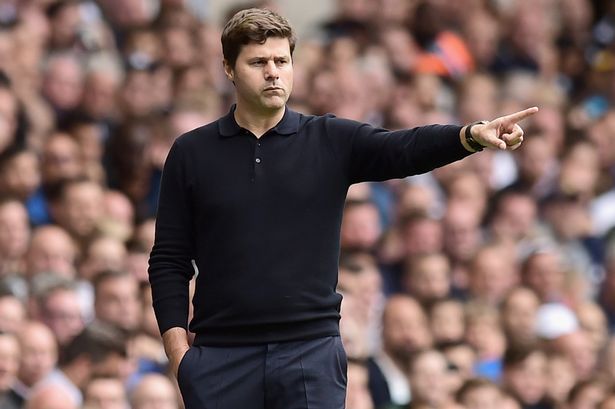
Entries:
{"x":228,"y":70}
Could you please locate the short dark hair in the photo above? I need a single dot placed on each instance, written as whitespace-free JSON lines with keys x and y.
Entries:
{"x":97,"y":341}
{"x":253,"y":25}
{"x":517,"y":354}
{"x":473,"y":384}
{"x":106,"y":275}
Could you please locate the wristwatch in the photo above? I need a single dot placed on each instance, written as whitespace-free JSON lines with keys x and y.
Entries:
{"x":473,"y":143}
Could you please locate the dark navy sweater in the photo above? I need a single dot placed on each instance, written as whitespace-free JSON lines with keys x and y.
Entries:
{"x":261,"y":219}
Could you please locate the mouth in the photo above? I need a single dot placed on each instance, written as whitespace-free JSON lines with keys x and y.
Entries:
{"x":273,"y":89}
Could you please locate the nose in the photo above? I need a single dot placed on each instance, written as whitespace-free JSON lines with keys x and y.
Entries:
{"x":271,"y":71}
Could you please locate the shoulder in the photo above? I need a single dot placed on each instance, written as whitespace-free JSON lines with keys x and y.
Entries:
{"x":198,"y":135}
{"x":330,"y":123}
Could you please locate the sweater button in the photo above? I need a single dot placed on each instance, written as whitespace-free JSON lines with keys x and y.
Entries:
{"x":257,"y":160}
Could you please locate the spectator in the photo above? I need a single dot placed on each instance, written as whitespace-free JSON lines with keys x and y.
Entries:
{"x":52,"y":250}
{"x":117,"y":299}
{"x":9,"y":364}
{"x":404,"y":331}
{"x":518,"y":311}
{"x":154,"y":391}
{"x":478,"y":393}
{"x":59,"y":307}
{"x":51,"y":398}
{"x":447,"y":321}
{"x":12,"y":313}
{"x":99,"y":350}
{"x":105,"y":392}
{"x":39,"y":355}
{"x":14,"y":236}
{"x":525,"y":376}
{"x":430,"y":379}
{"x":79,"y":209}
{"x":427,"y":278}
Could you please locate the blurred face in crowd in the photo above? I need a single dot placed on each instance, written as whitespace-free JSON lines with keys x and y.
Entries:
{"x":63,"y":82}
{"x":100,"y":92}
{"x":12,"y":314}
{"x":467,"y":189}
{"x":119,"y":214}
{"x":49,"y":397}
{"x":61,"y":158}
{"x":486,"y":336}
{"x":536,"y":159}
{"x":580,"y":169}
{"x":104,"y":253}
{"x":577,"y":346}
{"x":357,"y":391}
{"x":422,"y":236}
{"x":263,"y":75}
{"x":81,"y":208}
{"x":404,"y":328}
{"x":528,"y":378}
{"x":543,"y":273}
{"x":492,"y":274}
{"x":561,"y":377}
{"x":427,"y":277}
{"x":463,"y":357}
{"x":447,"y":321}
{"x":594,"y":323}
{"x":154,"y":391}
{"x":482,"y":397}
{"x":519,"y":315}
{"x":360,"y":227}
{"x":39,"y":352}
{"x":51,"y":250}
{"x":105,"y":393}
{"x":117,"y":301}
{"x":515,"y":217}
{"x":430,"y":378}
{"x":461,"y":232}
{"x":62,"y":313}
{"x":416,"y":199}
{"x":21,"y":176}
{"x":9,"y":361}
{"x":14,"y":230}
{"x":137,"y":93}
{"x":64,"y":25}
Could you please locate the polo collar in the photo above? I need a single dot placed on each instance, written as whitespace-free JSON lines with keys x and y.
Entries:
{"x":288,"y":125}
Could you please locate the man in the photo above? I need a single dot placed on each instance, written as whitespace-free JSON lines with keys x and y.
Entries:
{"x":58,"y":306}
{"x":117,"y":299}
{"x":256,"y":199}
{"x":9,"y":365}
{"x":154,"y":391}
{"x":99,"y":350}
{"x":39,"y":355}
{"x":105,"y":392}
{"x":405,"y":331}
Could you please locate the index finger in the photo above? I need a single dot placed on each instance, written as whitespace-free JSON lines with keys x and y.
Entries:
{"x":518,"y":116}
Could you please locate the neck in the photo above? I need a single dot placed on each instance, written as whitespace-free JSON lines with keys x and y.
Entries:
{"x":257,"y":122}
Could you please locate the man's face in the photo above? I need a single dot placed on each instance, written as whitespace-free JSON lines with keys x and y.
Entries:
{"x":117,"y":302}
{"x":263,"y":75}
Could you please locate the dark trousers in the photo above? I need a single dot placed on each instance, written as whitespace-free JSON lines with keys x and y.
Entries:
{"x":288,"y":375}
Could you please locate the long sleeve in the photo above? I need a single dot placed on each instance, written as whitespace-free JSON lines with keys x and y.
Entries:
{"x":170,"y":267}
{"x":376,"y":154}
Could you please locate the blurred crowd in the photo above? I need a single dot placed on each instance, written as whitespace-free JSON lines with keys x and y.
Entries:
{"x":489,"y":283}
